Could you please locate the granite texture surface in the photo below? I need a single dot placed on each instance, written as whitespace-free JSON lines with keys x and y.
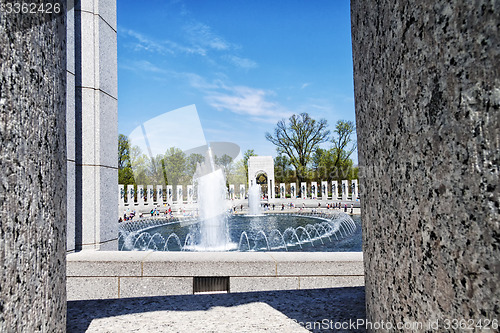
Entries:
{"x":96,"y":126}
{"x":270,"y":311}
{"x":32,"y":172}
{"x":427,"y":96}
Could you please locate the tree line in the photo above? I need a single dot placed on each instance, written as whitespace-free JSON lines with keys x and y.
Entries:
{"x":174,"y":167}
{"x":299,"y":158}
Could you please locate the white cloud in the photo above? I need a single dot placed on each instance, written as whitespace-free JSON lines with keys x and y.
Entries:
{"x":202,"y":35}
{"x":143,"y":42}
{"x":244,"y":63}
{"x":305,"y":85}
{"x":249,"y":102}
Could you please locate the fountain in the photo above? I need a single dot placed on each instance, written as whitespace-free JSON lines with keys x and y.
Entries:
{"x":254,"y":200}
{"x":216,"y":230}
{"x":211,"y":185}
{"x":300,"y":231}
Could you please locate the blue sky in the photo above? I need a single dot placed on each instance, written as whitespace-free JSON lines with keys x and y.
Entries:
{"x":244,"y":64}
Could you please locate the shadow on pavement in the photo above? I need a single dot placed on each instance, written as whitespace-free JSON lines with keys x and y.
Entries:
{"x":320,"y":306}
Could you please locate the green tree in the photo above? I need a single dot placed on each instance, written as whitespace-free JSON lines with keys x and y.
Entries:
{"x":154,"y":171}
{"x":226,"y":163}
{"x":125,"y":174}
{"x":343,"y":147}
{"x":175,"y":166}
{"x":283,"y":172}
{"x":238,"y":175}
{"x":298,"y":139}
{"x":192,"y":163}
{"x":140,"y":165}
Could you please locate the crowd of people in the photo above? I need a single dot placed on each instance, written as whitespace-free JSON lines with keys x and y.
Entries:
{"x":129,"y":215}
{"x":155,"y":211}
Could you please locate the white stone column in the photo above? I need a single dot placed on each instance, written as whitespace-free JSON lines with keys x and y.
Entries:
{"x":180,"y":194}
{"x":190,"y":194}
{"x":303,"y":189}
{"x":150,"y":195}
{"x":354,"y":189}
{"x":121,"y":196}
{"x":314,"y":190}
{"x":159,"y":195}
{"x":282,"y":191}
{"x":130,"y":195}
{"x":169,"y":194}
{"x":293,"y":191}
{"x":335,"y":190}
{"x":242,"y":191}
{"x":345,"y":189}
{"x":324,"y":190}
{"x":270,"y":187}
{"x":140,"y":195}
{"x":71,"y":130}
{"x":96,"y":124}
{"x":231,"y":191}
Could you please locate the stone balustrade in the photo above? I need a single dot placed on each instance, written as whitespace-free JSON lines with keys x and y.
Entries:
{"x":158,"y":195}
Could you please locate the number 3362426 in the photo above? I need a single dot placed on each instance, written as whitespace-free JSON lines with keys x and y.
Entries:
{"x":30,"y":8}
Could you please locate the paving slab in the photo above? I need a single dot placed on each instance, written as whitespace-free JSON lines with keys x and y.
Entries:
{"x":314,"y":310}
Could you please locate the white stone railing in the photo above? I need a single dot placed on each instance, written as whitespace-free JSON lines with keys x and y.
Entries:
{"x":158,"y":195}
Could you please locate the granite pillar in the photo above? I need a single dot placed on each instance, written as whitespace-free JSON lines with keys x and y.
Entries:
{"x":33,"y":168}
{"x":427,"y":99}
{"x":96,"y":125}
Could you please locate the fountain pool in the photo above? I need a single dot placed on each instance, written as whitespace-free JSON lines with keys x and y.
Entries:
{"x":327,"y":232}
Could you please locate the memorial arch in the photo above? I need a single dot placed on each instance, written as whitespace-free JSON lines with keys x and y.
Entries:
{"x":258,"y":165}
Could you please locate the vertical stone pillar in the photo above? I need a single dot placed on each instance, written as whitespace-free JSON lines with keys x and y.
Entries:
{"x":282,"y":191}
{"x":159,"y":195}
{"x":345,"y":189}
{"x":293,"y":191}
{"x":140,"y":195}
{"x":180,"y":195}
{"x":33,"y":166}
{"x":190,"y":194}
{"x":231,"y":191}
{"x":335,"y":190}
{"x":354,"y":189}
{"x":96,"y":119}
{"x":427,"y":97}
{"x":150,"y":195}
{"x":70,"y":128}
{"x":121,"y":196}
{"x":242,"y":191}
{"x":130,"y":196}
{"x":324,"y":190}
{"x":314,"y":190}
{"x":270,"y":187}
{"x":303,"y":190}
{"x":170,"y":194}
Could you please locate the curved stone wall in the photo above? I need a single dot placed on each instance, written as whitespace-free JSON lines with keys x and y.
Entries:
{"x":32,"y":172}
{"x":427,"y":91}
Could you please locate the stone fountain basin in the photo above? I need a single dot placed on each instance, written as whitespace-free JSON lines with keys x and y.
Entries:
{"x":119,"y":274}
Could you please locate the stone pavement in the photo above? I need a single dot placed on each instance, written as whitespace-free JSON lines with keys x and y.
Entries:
{"x":314,"y":310}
